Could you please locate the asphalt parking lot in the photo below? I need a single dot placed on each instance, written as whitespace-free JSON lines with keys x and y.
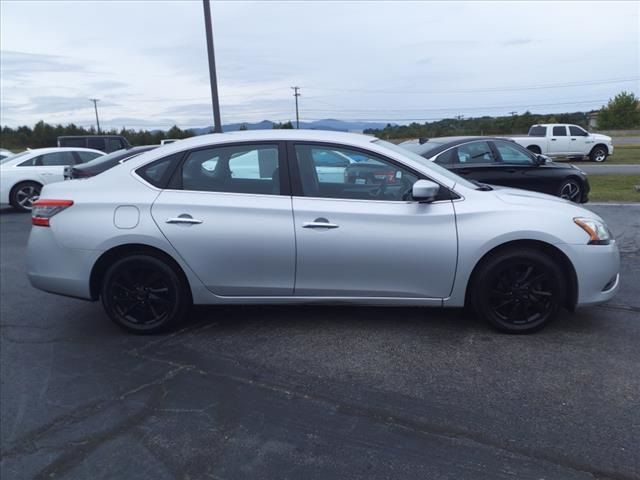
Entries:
{"x":317,"y":392}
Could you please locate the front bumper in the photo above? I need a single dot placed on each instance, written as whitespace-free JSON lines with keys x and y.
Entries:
{"x":57,"y":269}
{"x":597,"y":270}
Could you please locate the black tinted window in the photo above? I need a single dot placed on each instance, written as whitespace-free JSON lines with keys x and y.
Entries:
{"x":55,"y":159}
{"x":475,"y":152}
{"x":238,"y":169}
{"x":87,"y":156}
{"x":446,"y":158}
{"x":97,"y":143}
{"x":114,"y":144}
{"x":158,"y":173}
{"x":73,"y":142}
{"x":560,"y":131}
{"x":577,"y":132}
{"x":538,"y":131}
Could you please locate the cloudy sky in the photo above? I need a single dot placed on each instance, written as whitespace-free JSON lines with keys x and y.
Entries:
{"x":391,"y":61}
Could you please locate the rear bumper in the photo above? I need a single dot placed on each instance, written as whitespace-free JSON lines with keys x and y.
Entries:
{"x":57,"y":269}
{"x":597,"y":270}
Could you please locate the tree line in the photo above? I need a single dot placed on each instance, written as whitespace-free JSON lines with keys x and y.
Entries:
{"x":621,"y":112}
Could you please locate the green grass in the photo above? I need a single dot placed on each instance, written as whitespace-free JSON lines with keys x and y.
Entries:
{"x":614,"y":188}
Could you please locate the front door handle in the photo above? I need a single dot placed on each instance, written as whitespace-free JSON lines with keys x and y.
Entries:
{"x":319,"y":223}
{"x":184,"y":218}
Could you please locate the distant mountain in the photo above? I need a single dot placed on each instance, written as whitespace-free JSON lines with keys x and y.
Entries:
{"x":326,"y":124}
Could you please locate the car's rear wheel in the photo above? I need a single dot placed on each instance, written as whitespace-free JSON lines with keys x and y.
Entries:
{"x":571,"y":189}
{"x":24,"y":194}
{"x":518,"y":291}
{"x":144,"y":294}
{"x":598,"y":154}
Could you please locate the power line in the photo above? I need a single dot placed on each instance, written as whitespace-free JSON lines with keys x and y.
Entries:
{"x":296,"y":95}
{"x":480,"y":90}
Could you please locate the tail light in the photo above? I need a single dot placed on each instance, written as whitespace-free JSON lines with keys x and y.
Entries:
{"x":43,"y":210}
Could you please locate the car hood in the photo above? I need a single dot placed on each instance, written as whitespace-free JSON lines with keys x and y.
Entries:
{"x":540,"y":201}
{"x":599,"y":136}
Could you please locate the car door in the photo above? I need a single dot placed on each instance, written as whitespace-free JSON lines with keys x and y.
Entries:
{"x":558,"y":141}
{"x":518,"y":166}
{"x":228,"y":214}
{"x":475,"y":161}
{"x":367,"y":238}
{"x":577,"y":140}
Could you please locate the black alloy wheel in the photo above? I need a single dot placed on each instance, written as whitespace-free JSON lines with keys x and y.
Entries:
{"x":571,"y":189}
{"x":518,"y":291}
{"x":143,"y":294}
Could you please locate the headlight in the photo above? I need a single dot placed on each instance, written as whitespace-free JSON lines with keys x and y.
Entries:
{"x":598,"y":232}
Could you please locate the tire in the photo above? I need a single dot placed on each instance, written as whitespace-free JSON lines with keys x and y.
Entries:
{"x":23,"y":195}
{"x":535,"y":149}
{"x":571,"y":189}
{"x":598,"y":154}
{"x":144,"y":294}
{"x":518,"y":291}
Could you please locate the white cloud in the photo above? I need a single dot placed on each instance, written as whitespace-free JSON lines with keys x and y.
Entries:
{"x":147,"y":60}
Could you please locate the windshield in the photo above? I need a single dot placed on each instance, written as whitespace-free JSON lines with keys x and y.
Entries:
{"x":427,"y":163}
{"x":13,"y":157}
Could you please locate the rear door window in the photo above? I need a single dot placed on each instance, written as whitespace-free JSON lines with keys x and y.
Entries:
{"x":97,"y":143}
{"x":474,"y":153}
{"x":55,"y":159}
{"x":560,"y":131}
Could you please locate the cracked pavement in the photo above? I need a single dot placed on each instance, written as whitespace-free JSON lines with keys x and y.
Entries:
{"x":317,"y":392}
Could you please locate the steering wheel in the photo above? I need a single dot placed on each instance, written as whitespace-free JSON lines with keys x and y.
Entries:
{"x":379,"y":192}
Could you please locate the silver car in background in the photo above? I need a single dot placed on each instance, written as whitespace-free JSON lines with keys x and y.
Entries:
{"x":246,"y":218}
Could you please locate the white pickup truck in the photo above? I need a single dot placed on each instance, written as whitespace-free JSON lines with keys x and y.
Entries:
{"x":562,"y":140}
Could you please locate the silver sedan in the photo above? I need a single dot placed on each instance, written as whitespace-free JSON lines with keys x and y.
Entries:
{"x":246,"y":218}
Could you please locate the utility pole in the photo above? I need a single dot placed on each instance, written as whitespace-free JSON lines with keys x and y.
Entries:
{"x":95,"y":107}
{"x":217,"y":126}
{"x":513,"y":113}
{"x":296,"y":95}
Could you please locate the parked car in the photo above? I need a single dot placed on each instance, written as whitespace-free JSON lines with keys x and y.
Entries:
{"x":4,"y":153}
{"x":104,"y":163}
{"x":23,"y":175}
{"x":165,"y":230}
{"x":498,"y":161}
{"x":104,"y":143}
{"x":561,"y":140}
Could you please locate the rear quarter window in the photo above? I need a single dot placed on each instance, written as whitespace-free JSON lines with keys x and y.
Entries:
{"x":159,"y":172}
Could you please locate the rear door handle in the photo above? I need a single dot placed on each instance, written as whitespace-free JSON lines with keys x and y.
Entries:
{"x":319,"y":223}
{"x":553,"y":139}
{"x":188,"y":219}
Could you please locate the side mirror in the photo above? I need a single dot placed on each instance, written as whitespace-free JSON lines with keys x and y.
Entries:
{"x":425,"y":191}
{"x":541,"y":159}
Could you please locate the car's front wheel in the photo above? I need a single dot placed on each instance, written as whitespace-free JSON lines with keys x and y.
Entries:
{"x":598,"y":154}
{"x":571,"y":189}
{"x":144,"y":294}
{"x":518,"y":290}
{"x":24,"y":194}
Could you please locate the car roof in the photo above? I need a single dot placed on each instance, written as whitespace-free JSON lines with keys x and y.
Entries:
{"x":444,"y":143}
{"x":275,"y":134}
